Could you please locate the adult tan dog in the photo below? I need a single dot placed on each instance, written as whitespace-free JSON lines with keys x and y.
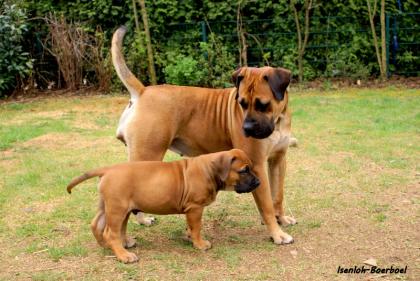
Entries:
{"x":254,"y":117}
{"x":179,"y":187}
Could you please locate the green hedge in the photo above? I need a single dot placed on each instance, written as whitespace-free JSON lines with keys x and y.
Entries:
{"x":340,"y":43}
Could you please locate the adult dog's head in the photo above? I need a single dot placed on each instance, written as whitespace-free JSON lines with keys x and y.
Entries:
{"x":262,"y":94}
{"x":234,"y":169}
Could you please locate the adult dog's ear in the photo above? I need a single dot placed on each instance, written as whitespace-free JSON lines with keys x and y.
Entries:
{"x":223,"y":164}
{"x":236,"y":80}
{"x":279,"y":80}
{"x":236,"y":77}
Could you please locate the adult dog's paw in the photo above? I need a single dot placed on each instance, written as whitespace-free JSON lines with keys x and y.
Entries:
{"x":203,"y":245}
{"x":283,"y":238}
{"x":286,"y":220}
{"x":142,"y":219}
{"x":127,"y":257}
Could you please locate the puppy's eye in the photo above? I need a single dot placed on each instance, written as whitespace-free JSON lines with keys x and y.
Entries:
{"x":244,"y":170}
{"x":243,"y":104}
{"x":261,"y":107}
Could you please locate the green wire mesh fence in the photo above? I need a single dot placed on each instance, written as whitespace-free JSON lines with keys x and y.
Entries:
{"x":342,"y":48}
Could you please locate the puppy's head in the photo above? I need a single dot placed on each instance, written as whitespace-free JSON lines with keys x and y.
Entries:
{"x":234,"y":169}
{"x":262,"y":96}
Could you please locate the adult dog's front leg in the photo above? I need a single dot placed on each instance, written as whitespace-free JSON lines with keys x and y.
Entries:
{"x":277,"y":173}
{"x":265,"y":206}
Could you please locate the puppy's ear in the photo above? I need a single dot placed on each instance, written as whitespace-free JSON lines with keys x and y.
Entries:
{"x":279,"y":80}
{"x":223,"y":164}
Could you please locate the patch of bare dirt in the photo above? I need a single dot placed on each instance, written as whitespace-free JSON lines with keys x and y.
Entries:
{"x":22,"y":211}
{"x":56,"y":141}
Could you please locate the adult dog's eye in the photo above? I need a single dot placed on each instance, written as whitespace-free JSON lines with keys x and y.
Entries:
{"x":261,"y":107}
{"x":243,"y":104}
{"x":244,"y":170}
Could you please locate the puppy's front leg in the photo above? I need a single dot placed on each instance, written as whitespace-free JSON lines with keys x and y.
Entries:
{"x":194,"y":224}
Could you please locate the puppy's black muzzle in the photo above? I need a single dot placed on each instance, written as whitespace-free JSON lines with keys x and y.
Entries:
{"x":247,"y":183}
{"x":255,"y":183}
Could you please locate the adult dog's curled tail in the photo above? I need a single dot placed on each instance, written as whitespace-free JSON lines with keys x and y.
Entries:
{"x":133,"y":85}
{"x":95,"y":173}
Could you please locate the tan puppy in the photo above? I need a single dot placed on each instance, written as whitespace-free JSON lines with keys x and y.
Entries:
{"x":254,"y":117}
{"x":180,"y":187}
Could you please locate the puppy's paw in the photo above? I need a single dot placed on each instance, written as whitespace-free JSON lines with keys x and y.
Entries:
{"x":283,"y":238}
{"x":147,"y":221}
{"x":129,"y":242}
{"x":202,"y":245}
{"x":127,"y":257}
{"x":286,"y":220}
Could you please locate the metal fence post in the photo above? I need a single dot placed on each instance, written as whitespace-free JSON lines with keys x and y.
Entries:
{"x":387,"y":44}
{"x":204,"y":36}
{"x":203,"y":31}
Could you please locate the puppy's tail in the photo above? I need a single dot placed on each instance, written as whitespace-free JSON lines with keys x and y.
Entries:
{"x":133,"y":85}
{"x":95,"y":173}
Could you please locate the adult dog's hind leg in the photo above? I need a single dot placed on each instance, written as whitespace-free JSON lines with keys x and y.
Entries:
{"x":142,"y":148}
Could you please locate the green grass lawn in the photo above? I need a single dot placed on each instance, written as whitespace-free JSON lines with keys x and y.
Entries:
{"x":352,"y":183}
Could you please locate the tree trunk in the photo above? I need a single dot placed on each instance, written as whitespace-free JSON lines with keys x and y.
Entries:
{"x":375,"y":39}
{"x":136,"y":18}
{"x":302,"y":45}
{"x":243,"y":61}
{"x":300,"y":67}
{"x":136,"y":21}
{"x":244,"y":51}
{"x":383,"y":41}
{"x":152,"y":71}
{"x":299,"y":36}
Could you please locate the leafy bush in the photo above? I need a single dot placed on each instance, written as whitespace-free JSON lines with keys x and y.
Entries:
{"x":409,"y":60}
{"x":184,"y":70}
{"x":345,"y":63}
{"x":137,"y":56}
{"x":209,"y":65}
{"x":217,"y":62}
{"x":15,"y":63}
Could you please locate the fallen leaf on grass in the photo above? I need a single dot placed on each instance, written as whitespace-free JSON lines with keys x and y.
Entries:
{"x":371,"y":262}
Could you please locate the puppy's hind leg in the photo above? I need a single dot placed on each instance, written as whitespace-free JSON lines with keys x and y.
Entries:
{"x":98,"y":224}
{"x":112,"y":234}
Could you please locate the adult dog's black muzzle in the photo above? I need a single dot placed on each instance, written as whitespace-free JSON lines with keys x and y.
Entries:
{"x":258,"y":130}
